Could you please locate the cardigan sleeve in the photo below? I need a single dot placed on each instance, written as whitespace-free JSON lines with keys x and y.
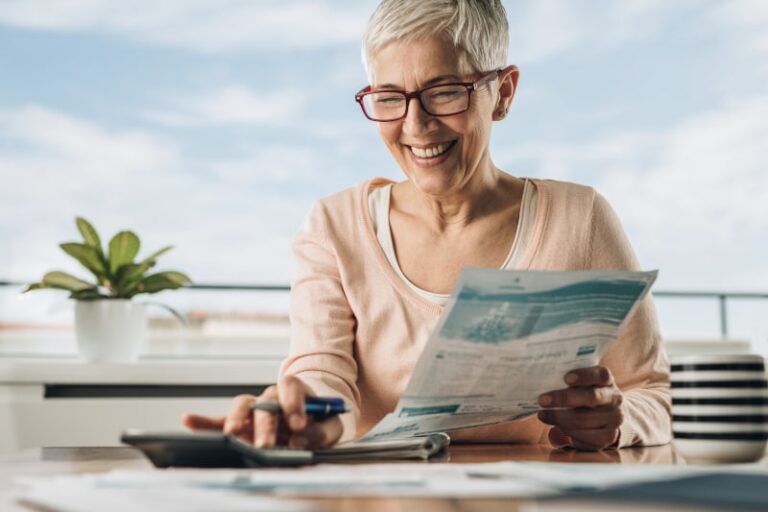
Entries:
{"x":322,"y":323}
{"x":637,"y":360}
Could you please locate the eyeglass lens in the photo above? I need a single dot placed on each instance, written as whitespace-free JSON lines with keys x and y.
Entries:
{"x":441,"y":100}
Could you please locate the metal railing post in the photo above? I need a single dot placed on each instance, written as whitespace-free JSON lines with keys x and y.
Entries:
{"x":723,"y":317}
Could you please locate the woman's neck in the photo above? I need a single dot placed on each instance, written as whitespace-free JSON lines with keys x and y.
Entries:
{"x":481,"y":197}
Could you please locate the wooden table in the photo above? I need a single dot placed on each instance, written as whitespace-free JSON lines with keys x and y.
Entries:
{"x":53,"y":461}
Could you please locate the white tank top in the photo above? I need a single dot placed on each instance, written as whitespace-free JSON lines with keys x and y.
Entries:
{"x":378,"y":208}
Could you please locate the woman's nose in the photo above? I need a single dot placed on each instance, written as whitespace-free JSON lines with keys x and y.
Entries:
{"x":416,"y":118}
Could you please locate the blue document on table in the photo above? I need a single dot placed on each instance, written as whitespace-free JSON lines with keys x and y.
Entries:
{"x":504,"y":338}
{"x":721,"y":490}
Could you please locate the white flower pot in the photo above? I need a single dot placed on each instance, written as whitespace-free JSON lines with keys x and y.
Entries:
{"x":110,"y":330}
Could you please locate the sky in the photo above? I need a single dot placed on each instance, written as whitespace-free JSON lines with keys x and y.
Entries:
{"x":214,"y":125}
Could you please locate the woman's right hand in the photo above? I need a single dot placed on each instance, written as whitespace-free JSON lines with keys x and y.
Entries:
{"x":265,"y":429}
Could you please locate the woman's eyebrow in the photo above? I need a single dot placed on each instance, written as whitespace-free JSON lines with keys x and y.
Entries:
{"x":429,"y":82}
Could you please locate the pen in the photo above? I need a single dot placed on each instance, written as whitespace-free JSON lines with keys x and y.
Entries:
{"x":317,"y":407}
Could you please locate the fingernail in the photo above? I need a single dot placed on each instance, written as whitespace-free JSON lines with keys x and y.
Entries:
{"x":296,"y":422}
{"x":545,"y":400}
{"x":571,"y":378}
{"x":259,"y":442}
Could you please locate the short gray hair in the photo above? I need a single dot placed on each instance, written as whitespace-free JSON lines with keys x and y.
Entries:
{"x":477,"y":28}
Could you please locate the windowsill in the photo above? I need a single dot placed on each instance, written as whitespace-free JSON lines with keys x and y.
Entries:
{"x":36,"y":359}
{"x":62,"y":345}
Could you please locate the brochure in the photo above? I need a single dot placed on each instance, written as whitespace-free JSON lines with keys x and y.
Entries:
{"x":504,"y":338}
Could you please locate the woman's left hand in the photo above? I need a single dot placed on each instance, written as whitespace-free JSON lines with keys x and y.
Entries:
{"x":587,"y":414}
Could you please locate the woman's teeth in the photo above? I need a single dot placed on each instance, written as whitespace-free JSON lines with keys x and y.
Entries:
{"x":431,"y":152}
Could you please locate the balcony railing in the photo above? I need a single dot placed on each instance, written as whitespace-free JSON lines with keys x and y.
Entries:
{"x":722,"y":298}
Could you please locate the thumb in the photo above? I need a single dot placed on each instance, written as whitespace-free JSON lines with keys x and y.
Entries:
{"x":322,"y":434}
{"x":559,"y":439}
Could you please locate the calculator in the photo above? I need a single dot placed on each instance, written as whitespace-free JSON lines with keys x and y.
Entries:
{"x":210,"y":450}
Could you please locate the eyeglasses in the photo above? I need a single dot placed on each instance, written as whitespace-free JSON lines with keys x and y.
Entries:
{"x":437,"y":100}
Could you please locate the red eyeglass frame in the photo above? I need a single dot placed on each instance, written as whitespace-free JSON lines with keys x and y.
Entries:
{"x":470,"y":86}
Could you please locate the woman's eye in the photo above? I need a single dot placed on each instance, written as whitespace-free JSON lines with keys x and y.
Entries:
{"x":445,"y":95}
{"x":389,"y":100}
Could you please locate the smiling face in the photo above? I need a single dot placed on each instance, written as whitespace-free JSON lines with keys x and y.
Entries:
{"x":440,"y":155}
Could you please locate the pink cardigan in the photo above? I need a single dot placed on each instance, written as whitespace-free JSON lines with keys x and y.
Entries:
{"x":357,"y":329}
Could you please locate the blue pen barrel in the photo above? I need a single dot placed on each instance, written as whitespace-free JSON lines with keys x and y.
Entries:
{"x":321,"y":408}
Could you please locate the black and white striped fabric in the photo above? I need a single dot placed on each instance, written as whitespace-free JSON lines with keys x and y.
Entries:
{"x":720,"y":406}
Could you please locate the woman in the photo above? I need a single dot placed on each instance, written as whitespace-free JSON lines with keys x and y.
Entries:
{"x":377,"y":262}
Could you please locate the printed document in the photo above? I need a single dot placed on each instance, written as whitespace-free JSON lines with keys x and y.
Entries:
{"x":229,"y":490}
{"x":504,"y":338}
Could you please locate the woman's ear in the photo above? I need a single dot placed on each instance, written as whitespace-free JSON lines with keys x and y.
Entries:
{"x":507,"y":87}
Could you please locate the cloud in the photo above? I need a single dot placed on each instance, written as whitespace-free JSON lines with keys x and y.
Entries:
{"x":232,"y":105}
{"x":52,"y":163}
{"x":54,"y":166}
{"x":200,"y":25}
{"x":277,"y":163}
{"x":747,"y":21}
{"x":539,"y":30}
{"x":742,"y":13}
{"x":543,"y":30}
{"x":231,"y":220}
{"x":98,"y":153}
{"x":709,"y":178}
{"x":692,"y":196}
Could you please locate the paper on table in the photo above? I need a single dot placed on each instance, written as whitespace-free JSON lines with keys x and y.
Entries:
{"x":574,"y":476}
{"x":137,"y":488}
{"x":506,"y":337}
{"x":131,"y":487}
{"x":502,"y":479}
{"x":192,"y":490}
{"x":507,"y":479}
{"x":84,"y":493}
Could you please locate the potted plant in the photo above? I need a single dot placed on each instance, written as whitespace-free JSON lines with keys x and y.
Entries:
{"x":108,"y":324}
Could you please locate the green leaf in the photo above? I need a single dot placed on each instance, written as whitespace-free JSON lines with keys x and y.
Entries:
{"x":88,"y":257}
{"x":154,"y":284}
{"x":88,"y":294}
{"x":130,"y":289}
{"x":123,"y":247}
{"x":89,"y":233}
{"x":157,"y":254}
{"x":129,"y":276}
{"x":176,"y":277}
{"x":137,"y":271}
{"x":34,"y":286}
{"x":64,"y":281}
{"x":162,"y":281}
{"x":122,"y":273}
{"x":91,"y":237}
